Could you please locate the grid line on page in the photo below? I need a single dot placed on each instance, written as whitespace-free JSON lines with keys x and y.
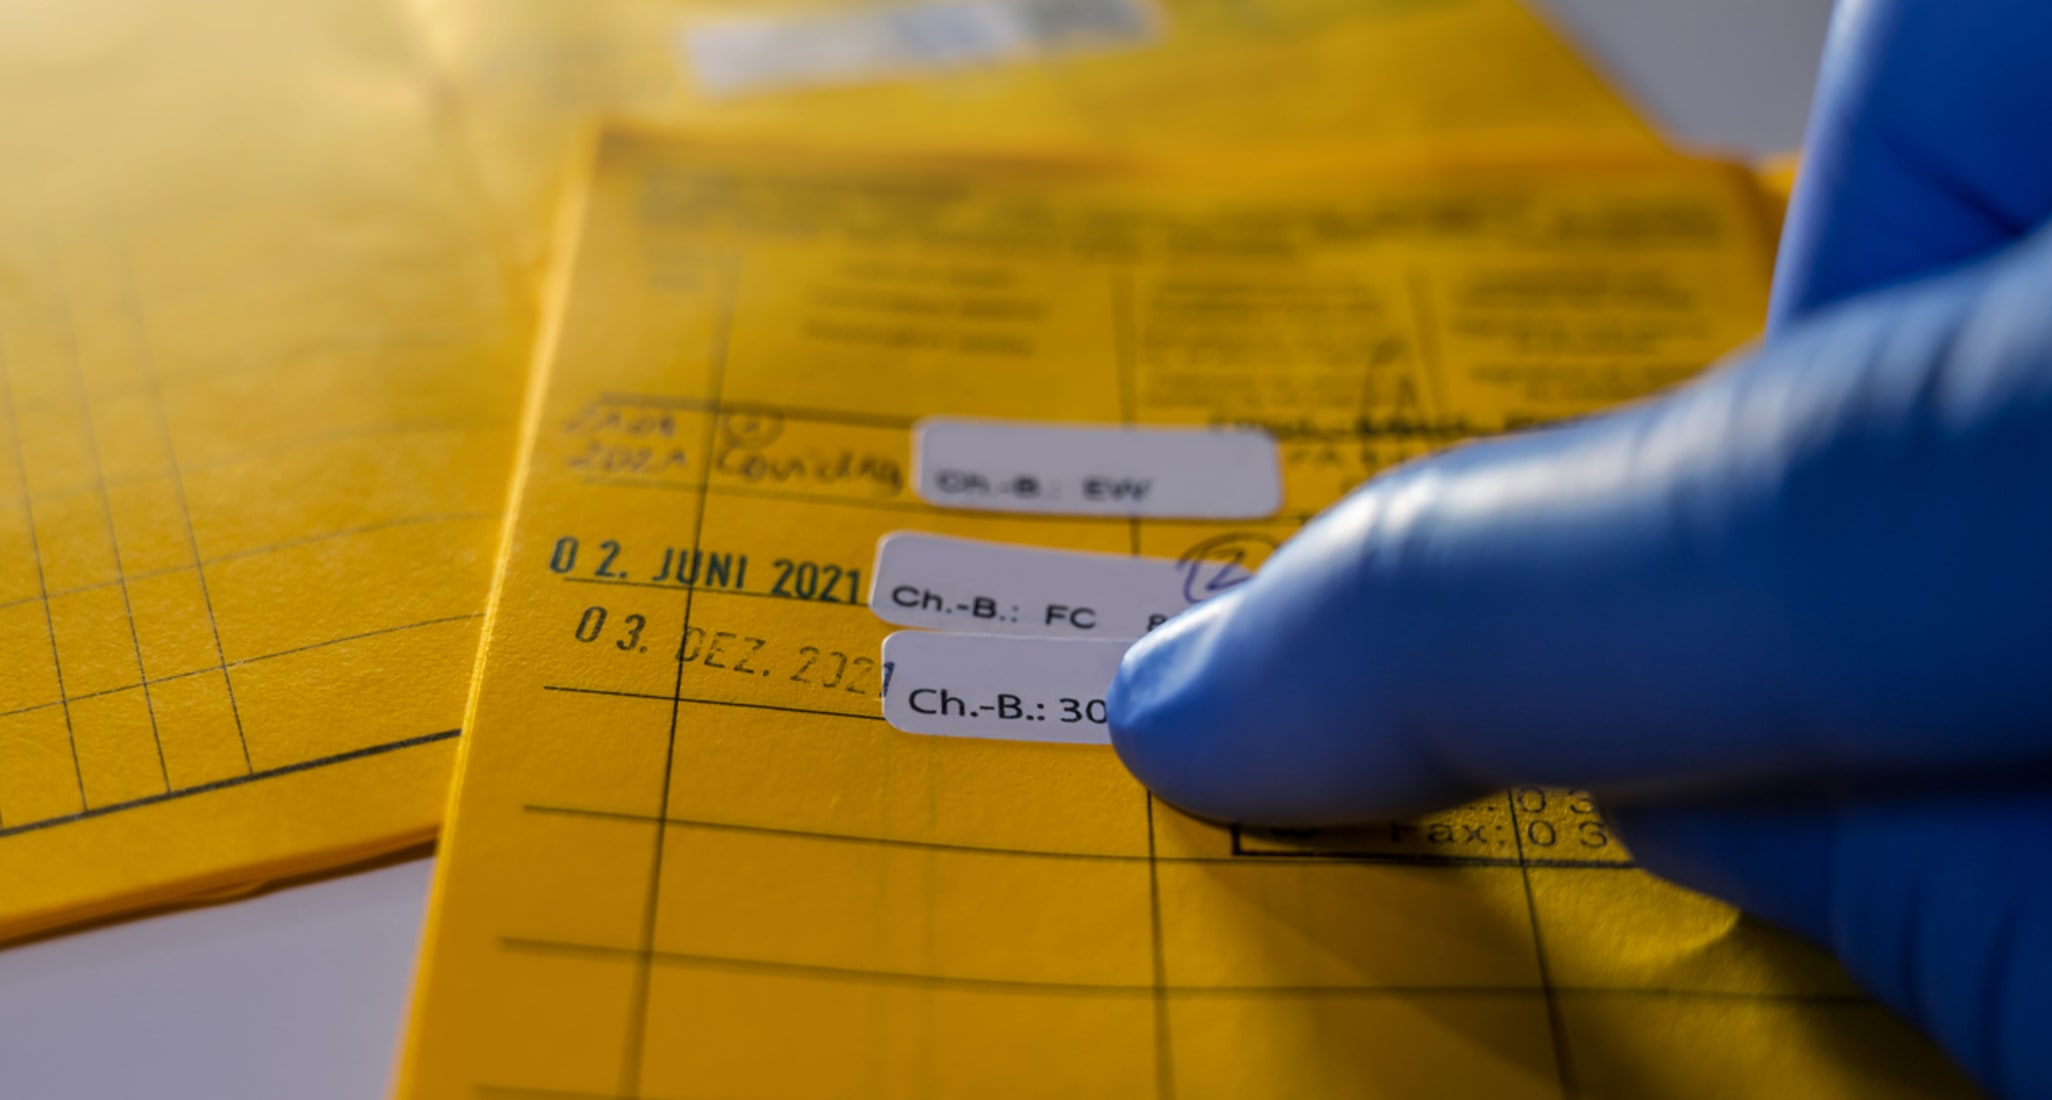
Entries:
{"x":1432,"y":367}
{"x":1241,"y":852}
{"x":1125,"y":370}
{"x":1288,"y":521}
{"x":803,"y":413}
{"x":1418,"y":292}
{"x":1243,"y":859}
{"x":1147,"y":990}
{"x":75,"y":371}
{"x":635,"y":1040}
{"x":245,"y":661}
{"x":814,"y":414}
{"x":28,"y":514}
{"x":233,"y":781}
{"x":1556,"y":1027}
{"x":676,"y":586}
{"x":402,"y":428}
{"x":270,"y":548}
{"x":131,"y":299}
{"x":657,"y":698}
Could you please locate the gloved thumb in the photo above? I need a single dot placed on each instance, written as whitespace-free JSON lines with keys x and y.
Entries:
{"x":1831,"y":558}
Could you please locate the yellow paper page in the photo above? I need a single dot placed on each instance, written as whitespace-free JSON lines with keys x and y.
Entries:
{"x":688,"y":859}
{"x":259,"y":375}
{"x":1234,"y":78}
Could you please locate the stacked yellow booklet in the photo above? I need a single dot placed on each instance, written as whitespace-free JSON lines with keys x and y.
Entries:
{"x":260,"y":358}
{"x":267,"y":314}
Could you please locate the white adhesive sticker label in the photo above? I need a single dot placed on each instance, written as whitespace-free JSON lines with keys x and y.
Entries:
{"x":738,"y":54}
{"x":1066,"y":469}
{"x":988,"y":685}
{"x":956,"y":584}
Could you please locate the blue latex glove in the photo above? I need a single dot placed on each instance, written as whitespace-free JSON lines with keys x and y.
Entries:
{"x":1824,"y":570}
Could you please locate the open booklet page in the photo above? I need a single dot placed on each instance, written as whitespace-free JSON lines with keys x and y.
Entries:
{"x":690,"y":859}
{"x":261,"y":351}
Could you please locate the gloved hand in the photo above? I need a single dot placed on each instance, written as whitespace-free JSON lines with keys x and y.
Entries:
{"x":1823,"y":570}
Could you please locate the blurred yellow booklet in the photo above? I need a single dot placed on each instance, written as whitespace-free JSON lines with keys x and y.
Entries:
{"x":689,"y":859}
{"x":1185,"y":78}
{"x":260,"y":361}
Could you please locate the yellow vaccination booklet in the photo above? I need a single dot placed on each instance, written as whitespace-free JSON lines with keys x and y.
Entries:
{"x":260,"y":364}
{"x":688,"y":858}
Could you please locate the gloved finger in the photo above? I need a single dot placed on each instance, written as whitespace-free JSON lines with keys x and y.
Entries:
{"x":1935,"y":905}
{"x":1927,"y":146}
{"x":1829,"y":559}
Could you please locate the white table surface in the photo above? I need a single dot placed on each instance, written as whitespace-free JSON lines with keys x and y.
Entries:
{"x":299,"y":994}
